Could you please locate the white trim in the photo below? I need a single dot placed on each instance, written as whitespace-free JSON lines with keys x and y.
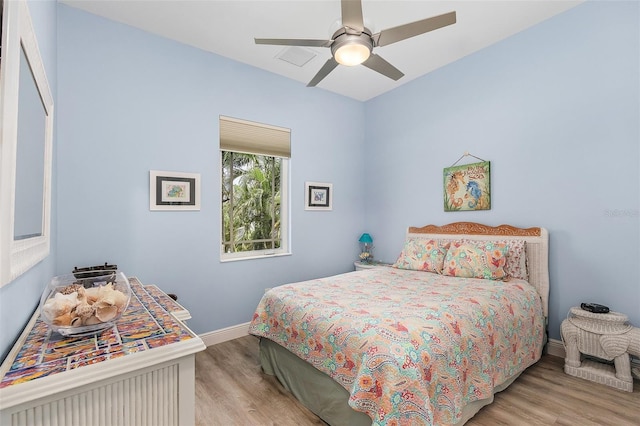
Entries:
{"x":285,"y":225}
{"x":555,"y":348}
{"x":262,"y":256}
{"x":225,"y":334}
{"x":17,"y":256}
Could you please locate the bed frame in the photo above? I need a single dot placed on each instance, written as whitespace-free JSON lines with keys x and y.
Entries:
{"x":326,"y":398}
{"x":537,"y":246}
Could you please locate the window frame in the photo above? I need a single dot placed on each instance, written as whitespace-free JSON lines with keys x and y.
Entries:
{"x":283,"y":250}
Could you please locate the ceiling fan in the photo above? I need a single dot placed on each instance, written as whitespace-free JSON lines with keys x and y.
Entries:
{"x":353,"y":43}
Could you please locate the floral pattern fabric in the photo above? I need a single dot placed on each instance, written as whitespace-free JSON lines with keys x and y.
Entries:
{"x":516,"y":266}
{"x":420,"y":254}
{"x":476,"y":260}
{"x":411,"y":348}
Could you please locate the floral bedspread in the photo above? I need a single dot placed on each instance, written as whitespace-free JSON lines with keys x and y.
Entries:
{"x":410,"y":347}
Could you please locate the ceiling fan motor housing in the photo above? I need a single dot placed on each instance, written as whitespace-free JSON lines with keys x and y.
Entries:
{"x":351,"y":48}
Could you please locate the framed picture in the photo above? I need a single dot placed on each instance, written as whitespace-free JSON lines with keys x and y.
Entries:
{"x":174,"y":190}
{"x":317,"y":196}
{"x":467,"y":187}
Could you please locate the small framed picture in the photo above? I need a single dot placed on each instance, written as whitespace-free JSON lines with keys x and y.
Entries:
{"x":317,"y":196}
{"x":174,"y":190}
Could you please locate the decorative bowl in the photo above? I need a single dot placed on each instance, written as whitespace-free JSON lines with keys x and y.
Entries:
{"x":75,"y":306}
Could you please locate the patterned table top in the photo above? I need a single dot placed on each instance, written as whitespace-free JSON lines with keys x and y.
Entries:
{"x":146,"y":324}
{"x":170,"y":305}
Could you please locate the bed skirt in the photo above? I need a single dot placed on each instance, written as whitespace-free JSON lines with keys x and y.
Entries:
{"x":325,"y":397}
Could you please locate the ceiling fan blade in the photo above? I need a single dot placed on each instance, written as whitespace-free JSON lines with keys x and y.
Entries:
{"x":376,"y":63}
{"x":294,"y":42}
{"x":324,"y":71}
{"x":403,"y":32}
{"x":352,"y":14}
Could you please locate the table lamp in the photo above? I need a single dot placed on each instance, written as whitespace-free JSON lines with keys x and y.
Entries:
{"x":366,"y":246}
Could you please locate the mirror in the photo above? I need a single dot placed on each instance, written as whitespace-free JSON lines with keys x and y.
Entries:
{"x":26,"y":113}
{"x":27,"y":218}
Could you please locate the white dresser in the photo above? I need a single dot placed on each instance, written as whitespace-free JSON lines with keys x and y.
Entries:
{"x":139,"y":372}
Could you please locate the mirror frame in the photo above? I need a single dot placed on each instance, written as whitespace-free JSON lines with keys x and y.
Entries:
{"x":16,"y":257}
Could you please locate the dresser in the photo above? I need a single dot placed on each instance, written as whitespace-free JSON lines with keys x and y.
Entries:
{"x":139,"y":372}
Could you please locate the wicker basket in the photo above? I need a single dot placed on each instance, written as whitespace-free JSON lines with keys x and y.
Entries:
{"x":609,"y":323}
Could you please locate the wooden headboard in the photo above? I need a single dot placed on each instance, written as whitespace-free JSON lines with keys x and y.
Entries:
{"x":537,"y":246}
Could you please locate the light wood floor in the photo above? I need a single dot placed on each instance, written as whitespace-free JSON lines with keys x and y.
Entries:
{"x":232,"y":390}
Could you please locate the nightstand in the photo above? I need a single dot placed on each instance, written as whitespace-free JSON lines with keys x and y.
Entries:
{"x":607,"y":337}
{"x":362,"y":266}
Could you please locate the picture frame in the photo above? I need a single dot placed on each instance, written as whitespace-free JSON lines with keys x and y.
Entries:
{"x":318,"y":196}
{"x":174,"y":190}
{"x":467,"y":187}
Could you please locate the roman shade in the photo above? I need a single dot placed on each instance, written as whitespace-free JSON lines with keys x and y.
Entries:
{"x":254,"y":138}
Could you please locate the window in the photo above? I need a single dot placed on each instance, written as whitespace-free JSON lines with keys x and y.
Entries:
{"x":254,"y":171}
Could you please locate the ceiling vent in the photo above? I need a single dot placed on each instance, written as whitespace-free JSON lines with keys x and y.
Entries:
{"x":296,"y":55}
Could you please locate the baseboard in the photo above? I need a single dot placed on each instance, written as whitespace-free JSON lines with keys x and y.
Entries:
{"x":555,"y":348}
{"x":225,"y":334}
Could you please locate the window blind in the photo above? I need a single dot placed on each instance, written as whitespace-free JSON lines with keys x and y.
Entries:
{"x":254,"y":138}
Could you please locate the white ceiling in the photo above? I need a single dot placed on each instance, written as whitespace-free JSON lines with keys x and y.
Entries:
{"x":228,"y":28}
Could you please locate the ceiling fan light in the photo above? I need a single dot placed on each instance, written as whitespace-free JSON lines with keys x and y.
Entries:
{"x":352,"y":54}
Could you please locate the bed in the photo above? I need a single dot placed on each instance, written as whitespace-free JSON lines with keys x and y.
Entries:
{"x":428,"y":341}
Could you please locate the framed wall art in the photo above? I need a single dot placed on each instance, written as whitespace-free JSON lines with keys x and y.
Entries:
{"x":174,"y":190}
{"x":317,"y":196}
{"x":467,"y":187}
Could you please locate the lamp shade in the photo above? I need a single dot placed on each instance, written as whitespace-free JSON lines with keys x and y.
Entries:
{"x":352,"y":54}
{"x":366,"y":238}
{"x":351,"y":49}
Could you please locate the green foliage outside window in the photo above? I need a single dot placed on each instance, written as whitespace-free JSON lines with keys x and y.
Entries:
{"x":251,"y":189}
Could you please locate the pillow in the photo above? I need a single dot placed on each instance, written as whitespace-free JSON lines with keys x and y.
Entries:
{"x":476,"y":259}
{"x":516,"y":266}
{"x":420,"y":254}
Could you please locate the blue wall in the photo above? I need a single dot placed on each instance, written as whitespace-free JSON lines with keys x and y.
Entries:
{"x":20,"y":298}
{"x":556,"y":111}
{"x":131,"y":102}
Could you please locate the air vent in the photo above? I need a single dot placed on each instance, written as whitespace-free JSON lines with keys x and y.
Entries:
{"x":296,"y":55}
